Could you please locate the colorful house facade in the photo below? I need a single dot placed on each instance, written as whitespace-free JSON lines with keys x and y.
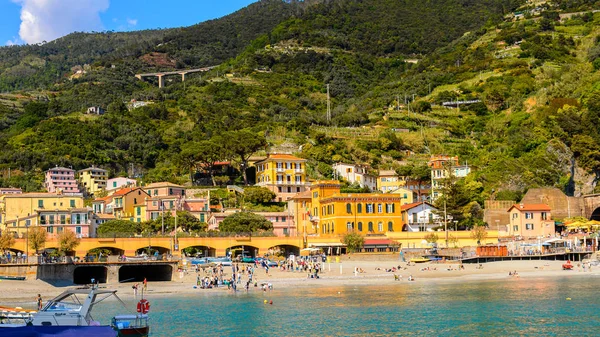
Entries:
{"x":331,"y":213}
{"x":164,"y":189}
{"x":283,"y":174}
{"x":421,"y":217}
{"x":531,"y":221}
{"x":356,"y":174}
{"x":114,"y":184}
{"x":54,"y":211}
{"x":130,"y":204}
{"x":444,"y":167}
{"x":388,"y":180}
{"x":93,"y":179}
{"x":61,"y":179}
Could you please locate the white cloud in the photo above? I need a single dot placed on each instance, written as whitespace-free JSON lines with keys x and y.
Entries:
{"x":46,"y":20}
{"x":15,"y":41}
{"x":131,"y":22}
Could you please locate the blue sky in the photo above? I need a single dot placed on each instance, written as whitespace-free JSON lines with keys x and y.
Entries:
{"x":33,"y":21}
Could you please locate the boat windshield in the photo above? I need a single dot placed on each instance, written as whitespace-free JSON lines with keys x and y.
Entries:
{"x":63,"y":306}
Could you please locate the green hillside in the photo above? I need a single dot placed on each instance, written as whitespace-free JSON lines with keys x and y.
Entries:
{"x":389,"y":64}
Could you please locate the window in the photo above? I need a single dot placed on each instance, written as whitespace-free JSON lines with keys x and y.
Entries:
{"x":389,"y":208}
{"x":50,"y":229}
{"x":138,"y":220}
{"x":201,"y":217}
{"x":544,"y":216}
{"x":114,"y":184}
{"x":360,"y":226}
{"x":529,"y":226}
{"x":155,"y":192}
{"x":285,"y":232}
{"x":358,"y":208}
{"x":78,"y":230}
{"x":170,"y":191}
{"x":316,"y":212}
{"x":279,"y":189}
{"x":42,"y":219}
{"x":77,"y":218}
{"x":63,"y":219}
{"x":390,"y":226}
{"x":349,"y":208}
{"x":515,"y":215}
{"x":40,"y":203}
{"x":515,"y":228}
{"x":154,"y":203}
{"x":380,"y":227}
{"x":349,"y":227}
{"x":528,"y":215}
{"x":52,"y":219}
{"x":379,"y":208}
{"x":370,"y":226}
{"x":72,"y":203}
{"x":27,"y":223}
{"x":283,"y":219}
{"x":370,"y":208}
{"x":138,"y":211}
{"x":315,"y":194}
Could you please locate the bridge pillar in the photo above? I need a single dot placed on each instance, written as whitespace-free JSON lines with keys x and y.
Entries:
{"x":161,"y":81}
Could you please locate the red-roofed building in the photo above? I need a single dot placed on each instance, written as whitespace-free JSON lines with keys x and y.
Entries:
{"x":531,"y":221}
{"x":422,"y":217}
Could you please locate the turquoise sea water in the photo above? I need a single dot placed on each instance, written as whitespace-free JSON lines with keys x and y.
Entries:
{"x":514,"y":307}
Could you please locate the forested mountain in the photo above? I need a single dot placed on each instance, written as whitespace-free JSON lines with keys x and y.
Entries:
{"x":389,"y":66}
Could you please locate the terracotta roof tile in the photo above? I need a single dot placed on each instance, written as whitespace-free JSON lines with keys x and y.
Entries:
{"x":531,"y":207}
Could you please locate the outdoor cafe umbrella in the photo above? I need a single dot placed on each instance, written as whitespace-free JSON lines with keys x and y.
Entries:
{"x":577,"y":224}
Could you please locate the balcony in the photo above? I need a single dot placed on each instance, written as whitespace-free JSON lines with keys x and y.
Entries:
{"x":299,"y":170}
{"x":280,"y":169}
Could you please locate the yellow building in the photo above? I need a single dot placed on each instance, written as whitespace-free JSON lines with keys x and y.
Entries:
{"x":93,"y":179}
{"x":55,"y":212}
{"x":283,"y":174}
{"x":388,"y":181}
{"x":406,"y":195}
{"x":327,"y":212}
{"x":130,"y":204}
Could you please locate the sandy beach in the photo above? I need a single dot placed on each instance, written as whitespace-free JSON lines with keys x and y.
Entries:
{"x":23,"y":293}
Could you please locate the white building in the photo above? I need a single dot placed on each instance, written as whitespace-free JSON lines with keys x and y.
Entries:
{"x":421,"y":217}
{"x":356,"y":174}
{"x":119,"y":182}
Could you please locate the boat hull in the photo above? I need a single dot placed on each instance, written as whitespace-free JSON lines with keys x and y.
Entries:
{"x":54,"y":330}
{"x":134,"y":332}
{"x":14,"y":278}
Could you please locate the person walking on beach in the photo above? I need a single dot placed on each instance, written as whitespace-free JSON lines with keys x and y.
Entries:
{"x":39,"y":302}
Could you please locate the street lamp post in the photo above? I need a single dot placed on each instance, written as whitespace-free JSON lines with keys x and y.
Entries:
{"x":162,"y":215}
{"x":445,"y":221}
{"x":27,"y":242}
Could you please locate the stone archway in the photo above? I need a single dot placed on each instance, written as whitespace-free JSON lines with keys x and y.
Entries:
{"x":284,"y":250}
{"x":200,"y":251}
{"x":595,"y":215}
{"x":245,"y":250}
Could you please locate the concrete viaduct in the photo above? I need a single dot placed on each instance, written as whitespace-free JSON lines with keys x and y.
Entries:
{"x":161,"y":75}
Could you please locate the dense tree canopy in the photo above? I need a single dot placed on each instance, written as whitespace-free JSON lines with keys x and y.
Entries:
{"x":245,"y":222}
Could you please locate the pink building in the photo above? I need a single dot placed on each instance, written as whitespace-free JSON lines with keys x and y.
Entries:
{"x":10,"y":190}
{"x":61,"y":178}
{"x":77,"y":220}
{"x":164,"y":189}
{"x":283,"y":222}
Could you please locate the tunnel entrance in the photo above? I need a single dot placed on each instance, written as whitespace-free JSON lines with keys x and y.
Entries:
{"x":160,"y":272}
{"x":84,"y":275}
